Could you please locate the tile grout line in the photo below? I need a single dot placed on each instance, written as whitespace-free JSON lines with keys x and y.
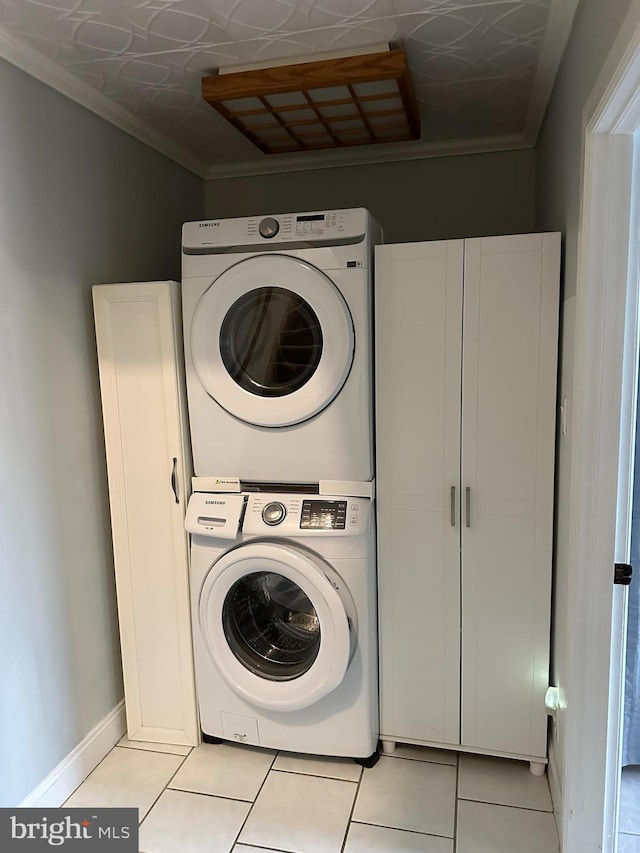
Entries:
{"x":159,"y":751}
{"x":315,"y":775}
{"x":208,"y":794}
{"x":260,"y":847}
{"x":173,"y":775}
{"x":421,"y":760}
{"x":353,"y":806}
{"x":244,"y":822}
{"x":505,"y":805}
{"x":403,"y":829}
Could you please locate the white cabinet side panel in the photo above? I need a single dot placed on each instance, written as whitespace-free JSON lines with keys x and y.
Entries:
{"x":509,"y":381}
{"x":143,"y":418}
{"x":418,"y":364}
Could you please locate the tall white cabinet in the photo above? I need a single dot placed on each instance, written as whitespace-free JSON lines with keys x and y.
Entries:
{"x":466,"y":353}
{"x":139,"y":342}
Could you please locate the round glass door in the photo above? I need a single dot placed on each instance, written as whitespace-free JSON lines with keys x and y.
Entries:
{"x":277,"y":623}
{"x":272,"y":340}
{"x":271,"y":626}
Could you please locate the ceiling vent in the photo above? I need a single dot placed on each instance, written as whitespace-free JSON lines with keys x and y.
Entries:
{"x":332,"y":103}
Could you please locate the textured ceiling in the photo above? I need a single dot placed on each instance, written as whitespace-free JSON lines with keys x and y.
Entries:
{"x":482,"y":69}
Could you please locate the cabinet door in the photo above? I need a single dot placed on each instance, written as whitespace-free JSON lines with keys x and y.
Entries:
{"x":138,"y":336}
{"x":508,"y":437}
{"x":418,"y":363}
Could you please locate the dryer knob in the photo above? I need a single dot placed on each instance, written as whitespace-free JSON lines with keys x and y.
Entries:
{"x":269,"y":227}
{"x":274,"y":513}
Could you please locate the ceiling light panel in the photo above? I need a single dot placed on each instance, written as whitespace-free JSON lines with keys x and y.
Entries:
{"x":357,"y":100}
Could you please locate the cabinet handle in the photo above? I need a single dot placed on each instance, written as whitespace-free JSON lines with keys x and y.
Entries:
{"x":467,"y":505}
{"x":453,"y":506}
{"x":174,"y":479}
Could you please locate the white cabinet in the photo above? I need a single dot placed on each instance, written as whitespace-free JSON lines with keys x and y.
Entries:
{"x":465,"y":393}
{"x":139,"y":354}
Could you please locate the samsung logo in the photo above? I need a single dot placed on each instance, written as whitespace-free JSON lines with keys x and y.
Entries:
{"x":208,"y":224}
{"x":217,"y":503}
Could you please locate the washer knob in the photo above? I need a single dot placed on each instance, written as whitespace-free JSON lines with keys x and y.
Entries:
{"x":274,"y":513}
{"x":269,"y":227}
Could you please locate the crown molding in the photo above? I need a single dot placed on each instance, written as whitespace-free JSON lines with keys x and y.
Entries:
{"x":392,"y":153}
{"x":558,"y":30}
{"x":16,"y":51}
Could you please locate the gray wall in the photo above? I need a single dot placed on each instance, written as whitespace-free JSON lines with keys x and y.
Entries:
{"x":559,"y":150}
{"x":435,"y":199}
{"x":559,"y":189}
{"x":81,"y":203}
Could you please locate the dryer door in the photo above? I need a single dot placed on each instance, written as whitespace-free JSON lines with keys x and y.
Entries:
{"x":277,"y":622}
{"x":272,"y":340}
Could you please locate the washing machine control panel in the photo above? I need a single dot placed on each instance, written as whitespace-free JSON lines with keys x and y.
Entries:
{"x":323,"y":515}
{"x":305,"y":515}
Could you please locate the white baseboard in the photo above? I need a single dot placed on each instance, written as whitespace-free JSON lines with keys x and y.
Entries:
{"x":556,"y":791}
{"x":74,"y":769}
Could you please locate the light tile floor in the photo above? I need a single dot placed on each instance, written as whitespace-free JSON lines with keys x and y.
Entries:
{"x":237,"y":799}
{"x":629,"y":821}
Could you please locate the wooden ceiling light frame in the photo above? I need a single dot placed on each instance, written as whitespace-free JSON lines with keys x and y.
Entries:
{"x":383,"y":110}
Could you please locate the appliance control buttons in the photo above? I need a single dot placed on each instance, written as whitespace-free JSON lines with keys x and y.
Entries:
{"x":274,"y":513}
{"x":269,"y":227}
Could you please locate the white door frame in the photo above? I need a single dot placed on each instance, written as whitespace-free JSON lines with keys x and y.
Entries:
{"x":604,"y":424}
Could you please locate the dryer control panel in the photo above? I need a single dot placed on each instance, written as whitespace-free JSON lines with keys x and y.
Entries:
{"x":305,"y":515}
{"x":276,"y":231}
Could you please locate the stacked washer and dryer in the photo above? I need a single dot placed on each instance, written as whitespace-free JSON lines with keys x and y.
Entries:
{"x":277,"y":316}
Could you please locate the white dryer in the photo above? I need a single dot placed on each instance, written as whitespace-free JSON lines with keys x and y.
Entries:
{"x":284,"y":621}
{"x":277,"y":314}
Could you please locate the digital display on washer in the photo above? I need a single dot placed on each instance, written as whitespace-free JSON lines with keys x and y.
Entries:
{"x":317,"y":217}
{"x":323,"y":515}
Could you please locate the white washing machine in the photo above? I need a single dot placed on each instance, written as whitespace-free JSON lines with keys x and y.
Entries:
{"x":283,"y":590}
{"x":277,"y":314}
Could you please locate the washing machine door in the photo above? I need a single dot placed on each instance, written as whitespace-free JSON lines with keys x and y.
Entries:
{"x":278,"y":623}
{"x":272,"y":340}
